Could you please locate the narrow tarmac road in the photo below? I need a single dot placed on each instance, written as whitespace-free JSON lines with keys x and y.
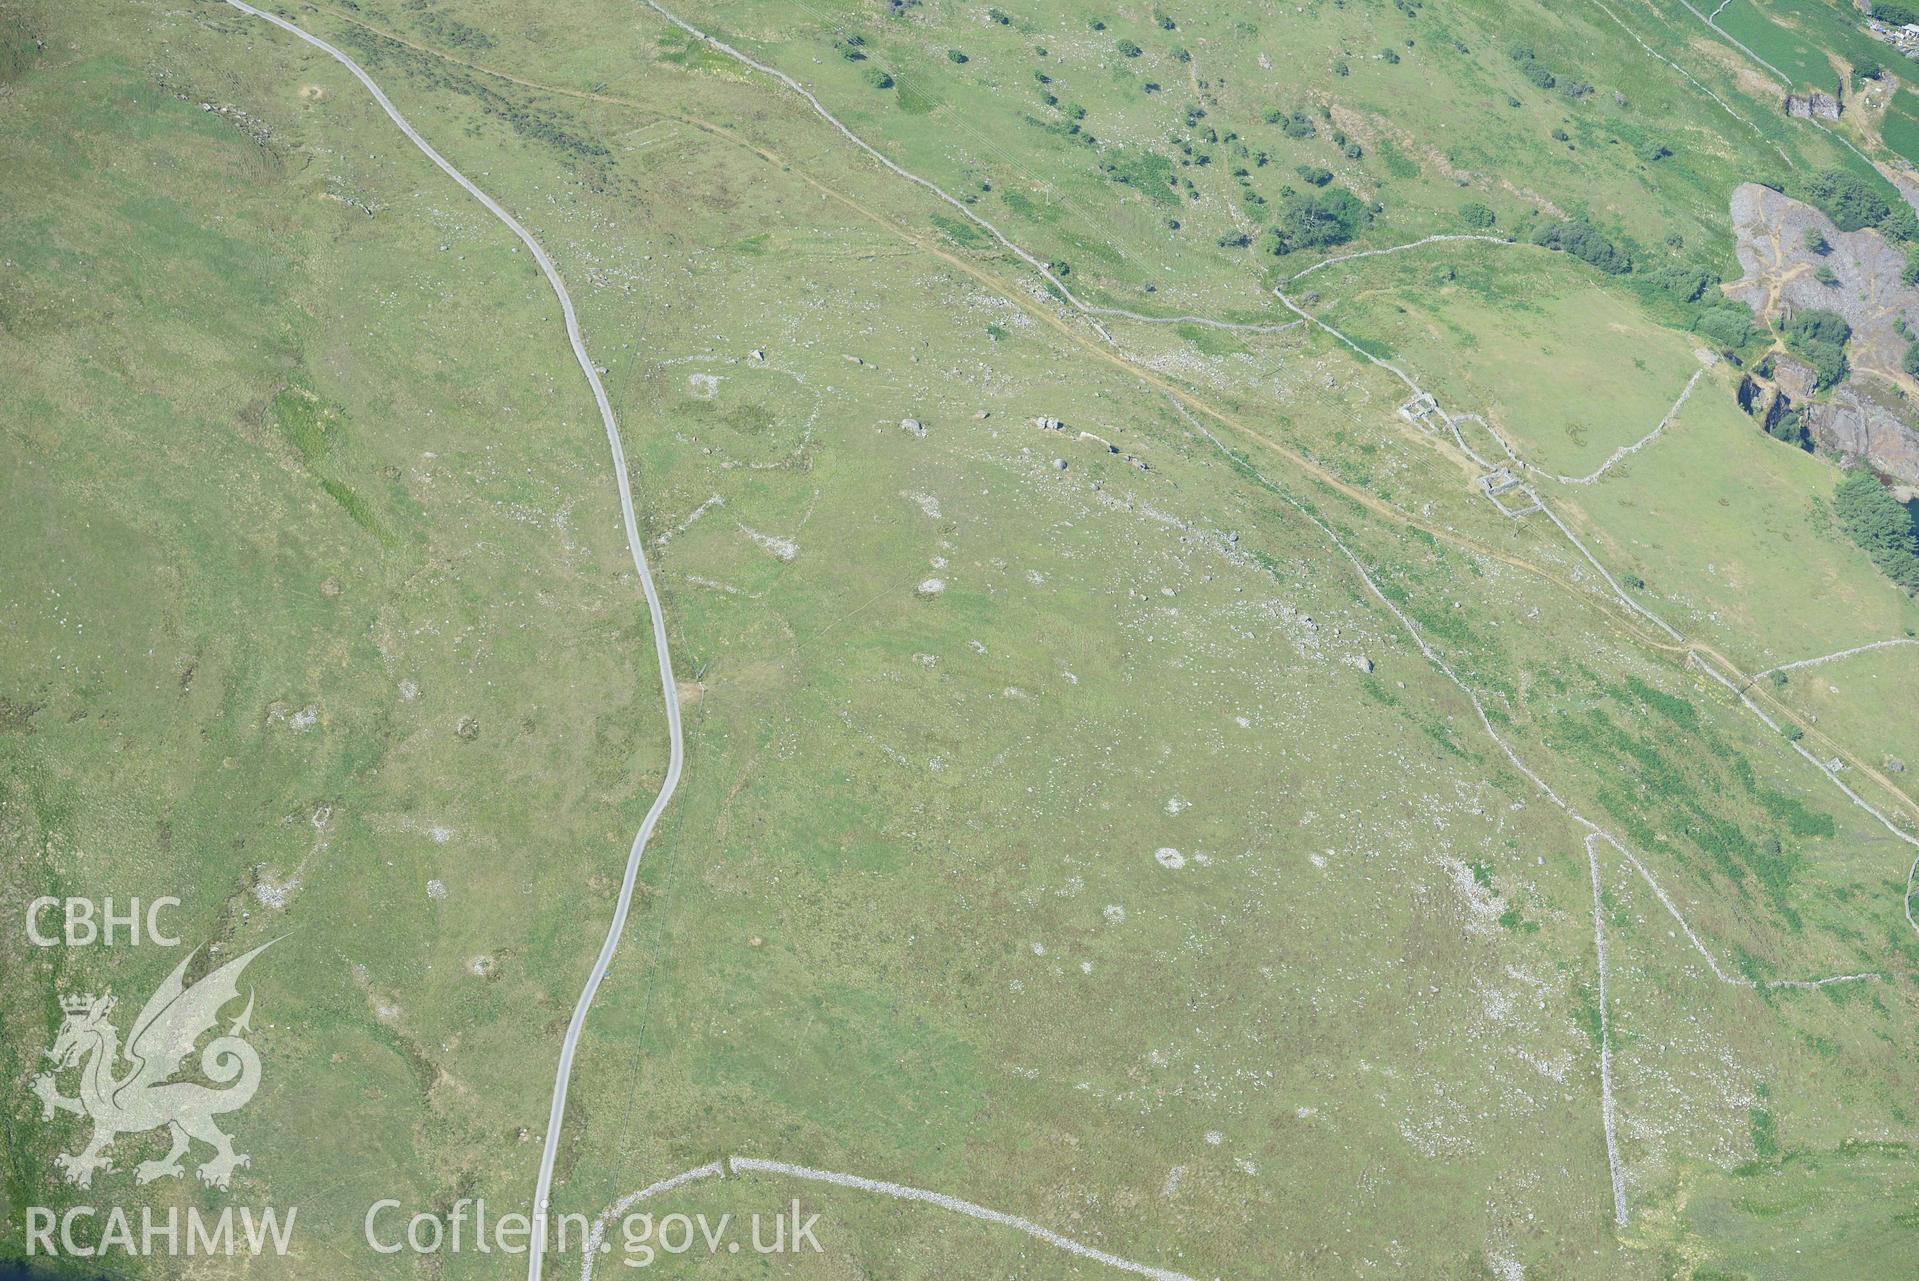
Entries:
{"x":677,"y":752}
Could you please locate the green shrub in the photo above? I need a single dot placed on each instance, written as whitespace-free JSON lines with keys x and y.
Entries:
{"x":1790,"y":428}
{"x":1818,"y":337}
{"x":1881,"y":525}
{"x":1682,"y":281}
{"x":1295,"y":125}
{"x":1583,"y":241}
{"x":1319,"y":219}
{"x":1849,"y":200}
{"x":1475,"y":214}
{"x":1729,"y":326}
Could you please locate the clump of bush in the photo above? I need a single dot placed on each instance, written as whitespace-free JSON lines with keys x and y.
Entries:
{"x":1319,"y":219}
{"x":1583,"y":241}
{"x":1853,"y":202}
{"x":1682,"y":282}
{"x":1818,"y":337}
{"x":1542,"y":77}
{"x":1881,"y":525}
{"x":1729,"y":326}
{"x":1295,"y":124}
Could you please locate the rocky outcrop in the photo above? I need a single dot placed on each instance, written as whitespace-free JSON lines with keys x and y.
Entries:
{"x":1857,"y":424}
{"x":1813,"y":106}
{"x":1866,"y":418}
{"x":1795,"y":378}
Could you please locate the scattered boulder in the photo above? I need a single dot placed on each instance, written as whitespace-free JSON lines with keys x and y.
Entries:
{"x":913,"y":426}
{"x":1894,"y":765}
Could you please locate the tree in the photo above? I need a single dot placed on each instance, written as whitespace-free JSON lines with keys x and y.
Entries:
{"x":1816,"y":324}
{"x":1475,"y":214}
{"x":1729,"y":326}
{"x":1818,"y":337}
{"x":1315,"y":220}
{"x":1881,"y":525}
{"x":1849,"y":200}
{"x":1128,"y":48}
{"x":1790,"y":427}
{"x":1816,"y":243}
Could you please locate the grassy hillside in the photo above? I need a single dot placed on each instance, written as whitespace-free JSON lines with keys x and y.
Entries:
{"x":1161,"y":828}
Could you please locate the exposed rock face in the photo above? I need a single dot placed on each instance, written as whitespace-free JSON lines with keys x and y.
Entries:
{"x":1858,"y":423}
{"x":1764,"y":401}
{"x":1867,"y":418}
{"x":1796,"y":380}
{"x":1813,"y":106}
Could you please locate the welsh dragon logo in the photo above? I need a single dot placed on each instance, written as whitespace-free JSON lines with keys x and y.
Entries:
{"x":130,"y":1090}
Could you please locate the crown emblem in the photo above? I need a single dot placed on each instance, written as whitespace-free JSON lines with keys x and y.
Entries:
{"x":84,"y":1004}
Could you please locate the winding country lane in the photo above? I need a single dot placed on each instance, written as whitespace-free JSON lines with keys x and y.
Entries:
{"x":670,"y":692}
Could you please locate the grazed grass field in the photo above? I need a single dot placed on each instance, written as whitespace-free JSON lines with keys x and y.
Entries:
{"x":1082,"y":839}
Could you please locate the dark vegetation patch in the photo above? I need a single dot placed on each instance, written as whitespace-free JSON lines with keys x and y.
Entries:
{"x":1854,"y":202}
{"x":1320,"y":219}
{"x":1881,"y":525}
{"x":1667,"y":777}
{"x":19,"y":46}
{"x":543,"y":125}
{"x":1819,"y":337}
{"x":1583,"y":241}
